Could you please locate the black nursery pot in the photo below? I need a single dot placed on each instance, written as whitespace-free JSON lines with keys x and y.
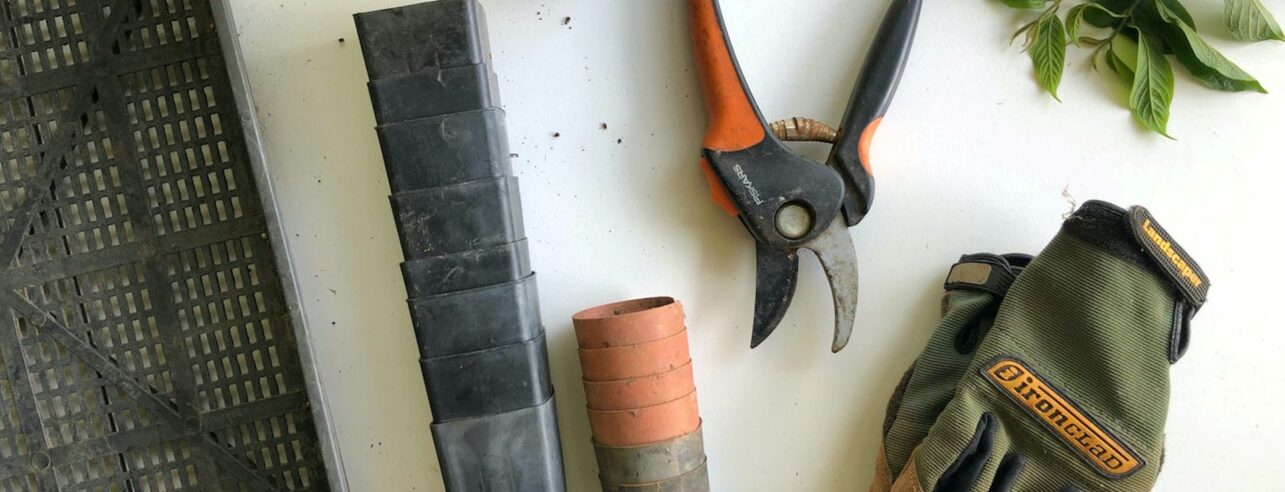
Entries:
{"x":466,"y":270}
{"x":518,"y":450}
{"x":433,"y":92}
{"x":451,"y":219}
{"x":405,"y":40}
{"x":445,"y":150}
{"x":477,"y":319}
{"x":488,"y":382}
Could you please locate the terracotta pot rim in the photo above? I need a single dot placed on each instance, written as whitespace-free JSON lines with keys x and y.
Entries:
{"x":634,"y":345}
{"x":690,"y":394}
{"x":638,"y":378}
{"x":623,"y":309}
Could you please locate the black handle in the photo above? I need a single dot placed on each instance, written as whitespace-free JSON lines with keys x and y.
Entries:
{"x":871,"y":97}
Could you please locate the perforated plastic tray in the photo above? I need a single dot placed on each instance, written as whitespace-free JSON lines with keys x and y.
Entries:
{"x":148,"y":332}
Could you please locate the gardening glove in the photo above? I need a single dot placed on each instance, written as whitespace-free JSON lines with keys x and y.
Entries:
{"x":972,"y":294}
{"x":1069,"y":389}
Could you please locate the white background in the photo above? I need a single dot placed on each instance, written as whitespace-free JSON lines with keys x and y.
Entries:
{"x":972,"y":158}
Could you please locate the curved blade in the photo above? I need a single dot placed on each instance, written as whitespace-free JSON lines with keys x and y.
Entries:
{"x":776,"y":273}
{"x":839,"y":259}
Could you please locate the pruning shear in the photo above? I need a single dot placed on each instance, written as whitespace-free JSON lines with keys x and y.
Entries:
{"x":787,"y":201}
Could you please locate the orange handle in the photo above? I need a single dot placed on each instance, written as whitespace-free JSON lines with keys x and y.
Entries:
{"x":734,"y":124}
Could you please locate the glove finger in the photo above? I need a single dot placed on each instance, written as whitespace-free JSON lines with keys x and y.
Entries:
{"x":1009,"y":469}
{"x":974,"y":290}
{"x":967,"y":468}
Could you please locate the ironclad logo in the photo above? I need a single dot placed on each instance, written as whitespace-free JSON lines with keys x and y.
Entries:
{"x":1185,"y":271}
{"x":1077,"y":430}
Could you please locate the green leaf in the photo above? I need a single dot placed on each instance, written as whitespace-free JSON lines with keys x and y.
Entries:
{"x":1175,"y":8}
{"x":1125,"y":51}
{"x":1121,"y":68}
{"x":1026,"y":4}
{"x":1022,"y":30}
{"x":1249,"y":20}
{"x":1112,"y":11}
{"x":1123,"y":58}
{"x":1075,"y":17}
{"x":1048,"y":52}
{"x":1202,"y":60}
{"x":1152,"y":90}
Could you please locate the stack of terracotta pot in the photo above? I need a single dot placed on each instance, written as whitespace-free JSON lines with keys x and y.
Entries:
{"x":641,"y":396}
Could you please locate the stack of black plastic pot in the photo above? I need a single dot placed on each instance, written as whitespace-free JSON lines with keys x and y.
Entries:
{"x":472,"y":293}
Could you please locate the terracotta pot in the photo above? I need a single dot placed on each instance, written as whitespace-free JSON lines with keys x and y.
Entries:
{"x":641,"y":391}
{"x":650,"y":463}
{"x":693,"y":481}
{"x":633,"y":361}
{"x":628,"y":322}
{"x":647,"y":425}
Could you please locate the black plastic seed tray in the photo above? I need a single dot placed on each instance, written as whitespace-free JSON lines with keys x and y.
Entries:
{"x":147,"y":337}
{"x":513,"y":451}
{"x":466,"y":270}
{"x":434,"y":92}
{"x":445,"y":150}
{"x":488,"y":382}
{"x":405,"y":40}
{"x":451,"y":219}
{"x":476,"y":319}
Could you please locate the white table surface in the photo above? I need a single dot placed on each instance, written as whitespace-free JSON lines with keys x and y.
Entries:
{"x":972,"y":158}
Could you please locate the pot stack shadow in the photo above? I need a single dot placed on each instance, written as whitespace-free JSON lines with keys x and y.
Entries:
{"x":641,"y":396}
{"x":472,"y":294}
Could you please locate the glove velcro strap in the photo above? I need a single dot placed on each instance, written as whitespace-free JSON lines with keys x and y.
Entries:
{"x":1174,"y":261}
{"x":1136,"y":237}
{"x":986,"y":272}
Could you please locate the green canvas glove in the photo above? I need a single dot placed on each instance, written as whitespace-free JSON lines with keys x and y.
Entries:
{"x":973,"y":291}
{"x":1069,"y":389}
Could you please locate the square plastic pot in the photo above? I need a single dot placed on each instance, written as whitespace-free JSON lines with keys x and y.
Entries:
{"x":451,"y":219}
{"x":433,"y":92}
{"x":466,"y":270}
{"x":477,"y":319}
{"x":440,"y":34}
{"x":445,"y":150}
{"x":513,"y":451}
{"x":488,"y":382}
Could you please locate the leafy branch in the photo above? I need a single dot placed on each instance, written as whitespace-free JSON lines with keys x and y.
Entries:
{"x":1139,"y":36}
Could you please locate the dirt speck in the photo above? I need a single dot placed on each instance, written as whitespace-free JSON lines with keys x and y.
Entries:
{"x":602,"y":126}
{"x":620,"y":140}
{"x":342,"y":40}
{"x":566,"y":20}
{"x":557,"y":134}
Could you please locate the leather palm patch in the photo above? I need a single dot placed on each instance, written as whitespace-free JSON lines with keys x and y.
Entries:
{"x":1037,"y":397}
